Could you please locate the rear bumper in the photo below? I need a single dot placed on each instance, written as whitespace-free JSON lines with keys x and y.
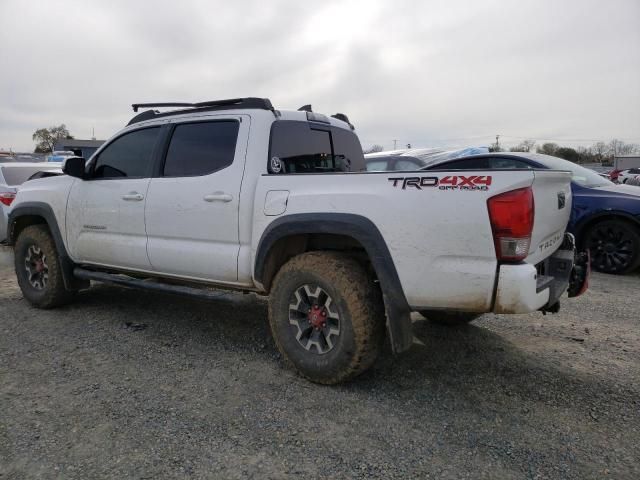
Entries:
{"x":525,"y":288}
{"x":517,"y":290}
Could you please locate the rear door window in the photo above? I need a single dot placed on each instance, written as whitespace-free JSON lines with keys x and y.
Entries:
{"x":201,"y":148}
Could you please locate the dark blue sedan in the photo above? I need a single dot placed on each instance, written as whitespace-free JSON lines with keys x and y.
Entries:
{"x":605,"y":217}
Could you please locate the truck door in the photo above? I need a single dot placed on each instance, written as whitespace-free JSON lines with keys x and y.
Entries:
{"x":105,"y":212}
{"x":192,"y":205}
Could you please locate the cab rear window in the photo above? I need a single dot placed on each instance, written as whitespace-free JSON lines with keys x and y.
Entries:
{"x":304,"y":147}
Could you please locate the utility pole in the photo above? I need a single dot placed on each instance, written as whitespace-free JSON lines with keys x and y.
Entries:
{"x":394,"y":144}
{"x":497,"y":143}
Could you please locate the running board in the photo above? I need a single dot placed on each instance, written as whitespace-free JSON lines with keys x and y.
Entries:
{"x":126,"y":281}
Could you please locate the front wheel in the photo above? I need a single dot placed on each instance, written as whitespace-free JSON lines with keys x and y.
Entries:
{"x":38,"y":268}
{"x":614,"y":246}
{"x":327,"y":316}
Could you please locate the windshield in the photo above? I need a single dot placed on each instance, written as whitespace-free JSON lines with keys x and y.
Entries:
{"x":582,"y":176}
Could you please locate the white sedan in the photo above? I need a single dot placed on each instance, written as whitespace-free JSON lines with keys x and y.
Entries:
{"x":626,"y":175}
{"x":14,"y":174}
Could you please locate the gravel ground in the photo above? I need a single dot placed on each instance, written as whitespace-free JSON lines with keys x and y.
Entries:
{"x":130,"y":384}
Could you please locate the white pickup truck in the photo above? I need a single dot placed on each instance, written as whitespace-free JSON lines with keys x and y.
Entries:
{"x":236,"y":194}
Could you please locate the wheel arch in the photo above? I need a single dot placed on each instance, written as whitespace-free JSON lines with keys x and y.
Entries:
{"x":588,"y":222}
{"x":297,"y":233}
{"x":39,"y":213}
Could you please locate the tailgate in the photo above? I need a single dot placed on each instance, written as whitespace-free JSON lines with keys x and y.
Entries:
{"x":552,"y":200}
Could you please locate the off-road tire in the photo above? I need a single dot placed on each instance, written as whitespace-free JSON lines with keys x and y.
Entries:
{"x":450,"y":319}
{"x":625,"y":239}
{"x":358,"y":301}
{"x":54,"y":293}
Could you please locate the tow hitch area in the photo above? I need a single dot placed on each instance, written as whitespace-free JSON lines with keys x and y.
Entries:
{"x":565,"y":270}
{"x":579,"y":280}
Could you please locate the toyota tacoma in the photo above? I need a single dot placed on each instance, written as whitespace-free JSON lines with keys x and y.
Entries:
{"x":235,"y":194}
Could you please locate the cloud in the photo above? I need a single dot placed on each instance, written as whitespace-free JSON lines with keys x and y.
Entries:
{"x":429,"y":73}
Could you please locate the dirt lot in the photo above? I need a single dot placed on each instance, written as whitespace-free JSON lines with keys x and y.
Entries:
{"x":129,"y":384}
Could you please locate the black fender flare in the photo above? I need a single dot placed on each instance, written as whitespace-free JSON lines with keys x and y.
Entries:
{"x":367,"y":234}
{"x":44,"y":210}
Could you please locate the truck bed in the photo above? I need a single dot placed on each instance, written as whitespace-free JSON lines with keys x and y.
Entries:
{"x":439,"y":234}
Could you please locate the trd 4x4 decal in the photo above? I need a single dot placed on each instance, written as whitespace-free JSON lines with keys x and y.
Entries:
{"x":450,"y":182}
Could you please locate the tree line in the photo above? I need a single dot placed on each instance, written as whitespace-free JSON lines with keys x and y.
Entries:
{"x":599,"y":152}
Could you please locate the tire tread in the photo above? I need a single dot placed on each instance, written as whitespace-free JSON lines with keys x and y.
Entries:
{"x":55,"y":294}
{"x":359,"y":292}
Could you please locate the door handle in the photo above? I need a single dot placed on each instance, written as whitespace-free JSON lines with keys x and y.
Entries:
{"x":218,"y":197}
{"x":133,"y":197}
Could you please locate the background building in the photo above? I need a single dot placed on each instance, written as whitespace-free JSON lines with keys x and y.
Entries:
{"x":623,"y":162}
{"x":82,"y":148}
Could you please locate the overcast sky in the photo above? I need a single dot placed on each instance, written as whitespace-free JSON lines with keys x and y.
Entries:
{"x":433,"y":73}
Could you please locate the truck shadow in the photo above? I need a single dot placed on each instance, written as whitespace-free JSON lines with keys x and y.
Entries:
{"x":473,"y":367}
{"x":465,"y":366}
{"x":233,"y":318}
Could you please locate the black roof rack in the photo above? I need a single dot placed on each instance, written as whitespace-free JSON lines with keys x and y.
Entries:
{"x":230,"y":104}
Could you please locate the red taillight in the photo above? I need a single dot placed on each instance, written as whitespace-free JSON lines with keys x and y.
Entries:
{"x":7,"y":197}
{"x":511,"y":215}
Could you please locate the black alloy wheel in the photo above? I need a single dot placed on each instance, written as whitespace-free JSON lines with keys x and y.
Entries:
{"x":614,"y":246}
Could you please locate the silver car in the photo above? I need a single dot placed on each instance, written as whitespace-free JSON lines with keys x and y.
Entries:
{"x":14,"y":174}
{"x":634,"y":181}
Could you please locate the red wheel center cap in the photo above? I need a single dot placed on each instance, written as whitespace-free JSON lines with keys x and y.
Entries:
{"x":317,"y":316}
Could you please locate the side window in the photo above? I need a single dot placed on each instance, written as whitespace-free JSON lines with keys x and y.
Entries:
{"x":465,"y":164}
{"x":348,"y":151}
{"x":403,"y":164}
{"x":377,"y":165}
{"x":201,"y":148}
{"x":127,"y":156}
{"x":300,"y":147}
{"x":509,"y":163}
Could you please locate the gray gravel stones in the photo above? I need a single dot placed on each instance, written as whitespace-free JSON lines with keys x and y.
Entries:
{"x":129,"y":384}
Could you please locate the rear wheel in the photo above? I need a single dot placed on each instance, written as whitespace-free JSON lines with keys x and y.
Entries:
{"x":449,"y":318}
{"x":38,"y":268}
{"x":327,"y":316}
{"x":614,"y":246}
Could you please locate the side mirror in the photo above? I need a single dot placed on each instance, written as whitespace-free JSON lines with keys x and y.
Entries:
{"x":74,"y":167}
